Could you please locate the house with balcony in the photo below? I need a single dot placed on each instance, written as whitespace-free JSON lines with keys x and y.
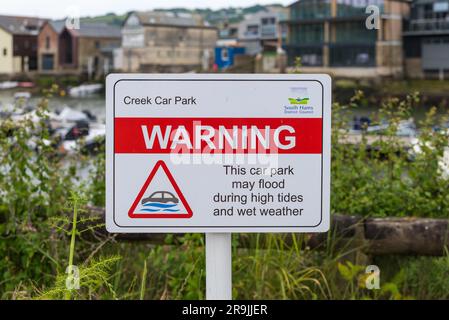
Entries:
{"x":426,"y":40}
{"x":331,"y":36}
{"x":263,"y":31}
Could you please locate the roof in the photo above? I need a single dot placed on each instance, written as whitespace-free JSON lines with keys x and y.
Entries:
{"x":58,"y":25}
{"x":97,"y":30}
{"x":169,"y":18}
{"x":21,"y":25}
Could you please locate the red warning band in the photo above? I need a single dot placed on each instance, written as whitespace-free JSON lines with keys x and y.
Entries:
{"x":218,"y":135}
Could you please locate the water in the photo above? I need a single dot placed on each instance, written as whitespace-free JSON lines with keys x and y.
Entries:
{"x":160,"y":207}
{"x":95,"y":103}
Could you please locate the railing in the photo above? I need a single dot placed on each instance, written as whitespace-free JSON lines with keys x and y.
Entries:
{"x":268,"y":31}
{"x":428,"y":25}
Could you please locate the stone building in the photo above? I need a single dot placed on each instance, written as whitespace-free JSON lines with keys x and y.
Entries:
{"x":88,"y":50}
{"x":166,"y":42}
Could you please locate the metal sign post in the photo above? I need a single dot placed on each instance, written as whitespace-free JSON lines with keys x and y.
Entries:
{"x":218,"y":266}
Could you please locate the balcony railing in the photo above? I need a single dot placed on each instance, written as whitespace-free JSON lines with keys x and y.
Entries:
{"x":423,"y":25}
{"x":268,"y":31}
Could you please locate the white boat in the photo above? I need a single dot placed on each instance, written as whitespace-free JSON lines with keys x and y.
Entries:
{"x":405,"y":128}
{"x":8,"y":85}
{"x":22,"y":95}
{"x":85,"y":90}
{"x":71,"y":115}
{"x":20,"y":106}
{"x":97,"y":131}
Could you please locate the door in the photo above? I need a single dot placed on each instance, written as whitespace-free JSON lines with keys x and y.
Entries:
{"x":48,"y":61}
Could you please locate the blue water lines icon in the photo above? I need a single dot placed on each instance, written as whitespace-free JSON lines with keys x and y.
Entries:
{"x":159,"y":202}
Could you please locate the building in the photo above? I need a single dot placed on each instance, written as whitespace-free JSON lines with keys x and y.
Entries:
{"x":166,"y":42}
{"x":6,"y":45}
{"x":48,"y":46}
{"x":426,"y":40}
{"x":228,"y":31}
{"x":263,"y":31}
{"x":88,"y":50}
{"x":332,"y":36}
{"x":18,"y":43}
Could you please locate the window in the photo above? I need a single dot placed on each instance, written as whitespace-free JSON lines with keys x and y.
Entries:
{"x":47,"y":42}
{"x":268,"y":21}
{"x":310,"y":55}
{"x":97,"y":44}
{"x":353,"y":56}
{"x":311,"y":9}
{"x":346,"y":8}
{"x":252,"y":30}
{"x":354,"y":32}
{"x":308,"y":33}
{"x":5,"y":52}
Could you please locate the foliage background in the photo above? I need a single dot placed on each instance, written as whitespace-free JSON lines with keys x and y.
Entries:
{"x":43,"y":224}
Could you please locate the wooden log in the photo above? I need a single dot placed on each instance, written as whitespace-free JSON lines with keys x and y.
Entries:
{"x":412,"y":236}
{"x":373,"y":236}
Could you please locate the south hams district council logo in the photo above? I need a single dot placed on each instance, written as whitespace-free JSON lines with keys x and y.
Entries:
{"x":160,"y":197}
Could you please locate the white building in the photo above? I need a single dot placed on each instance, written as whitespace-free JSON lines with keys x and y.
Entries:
{"x":262,"y":31}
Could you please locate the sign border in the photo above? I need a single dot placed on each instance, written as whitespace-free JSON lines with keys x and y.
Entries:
{"x":163,"y":165}
{"x":216,"y":80}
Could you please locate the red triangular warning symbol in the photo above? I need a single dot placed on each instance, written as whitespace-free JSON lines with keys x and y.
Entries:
{"x":160,"y":197}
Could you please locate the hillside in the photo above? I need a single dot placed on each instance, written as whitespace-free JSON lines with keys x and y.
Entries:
{"x":214,"y":17}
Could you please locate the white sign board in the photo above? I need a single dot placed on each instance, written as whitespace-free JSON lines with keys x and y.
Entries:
{"x":217,"y":153}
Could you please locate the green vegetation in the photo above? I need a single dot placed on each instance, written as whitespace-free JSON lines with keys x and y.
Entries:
{"x":390,"y":180}
{"x":110,"y":18}
{"x":46,"y":230}
{"x":214,"y":17}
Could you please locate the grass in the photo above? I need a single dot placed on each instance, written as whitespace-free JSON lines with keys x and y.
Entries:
{"x":41,"y":234}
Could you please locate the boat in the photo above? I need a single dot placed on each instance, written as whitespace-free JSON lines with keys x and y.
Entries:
{"x":22,"y":95}
{"x":8,"y":85}
{"x":68,"y":114}
{"x":93,"y":138}
{"x":405,"y":128}
{"x":85,"y":90}
{"x":19,"y":107}
{"x":25,"y":84}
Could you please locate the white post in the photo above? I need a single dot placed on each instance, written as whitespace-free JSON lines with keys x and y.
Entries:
{"x":218,"y":266}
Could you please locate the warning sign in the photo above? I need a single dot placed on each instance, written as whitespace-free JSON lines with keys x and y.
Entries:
{"x":218,"y":153}
{"x":160,"y":197}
